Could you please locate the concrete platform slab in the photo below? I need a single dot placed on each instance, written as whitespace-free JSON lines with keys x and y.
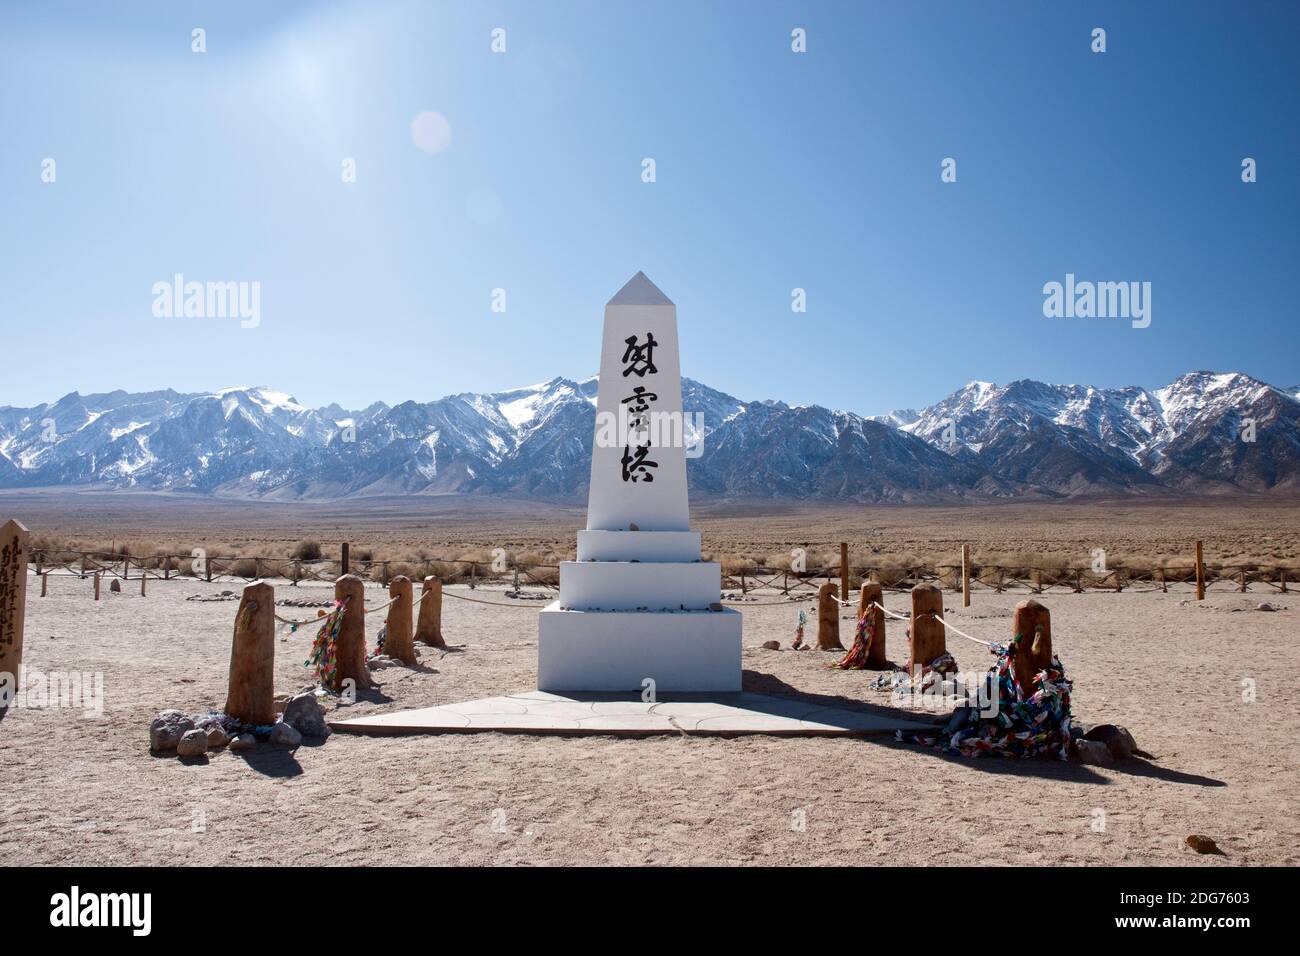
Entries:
{"x":627,"y":715}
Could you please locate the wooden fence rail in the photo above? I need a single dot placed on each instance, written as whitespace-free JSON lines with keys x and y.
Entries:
{"x":1241,"y":578}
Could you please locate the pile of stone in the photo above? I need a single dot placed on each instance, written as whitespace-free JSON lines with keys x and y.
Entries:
{"x":223,"y":596}
{"x":174,"y":731}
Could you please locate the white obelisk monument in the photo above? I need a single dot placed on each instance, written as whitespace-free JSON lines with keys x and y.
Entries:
{"x":638,"y":603}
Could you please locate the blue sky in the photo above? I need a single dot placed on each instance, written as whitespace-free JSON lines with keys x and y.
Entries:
{"x":775,"y":170}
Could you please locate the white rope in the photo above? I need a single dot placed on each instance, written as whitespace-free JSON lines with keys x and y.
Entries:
{"x":962,"y":633}
{"x":937,"y":618}
{"x":461,"y":597}
{"x":901,"y":617}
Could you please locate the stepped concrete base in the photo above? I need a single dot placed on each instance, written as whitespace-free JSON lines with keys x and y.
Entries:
{"x":617,"y":650}
{"x":634,"y":586}
{"x":638,"y":546}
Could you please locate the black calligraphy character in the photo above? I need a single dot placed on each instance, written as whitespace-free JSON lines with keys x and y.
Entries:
{"x":642,"y":357}
{"x":634,"y":464}
{"x":642,"y":398}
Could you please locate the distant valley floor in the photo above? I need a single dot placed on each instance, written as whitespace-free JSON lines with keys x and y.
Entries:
{"x":1248,"y":528}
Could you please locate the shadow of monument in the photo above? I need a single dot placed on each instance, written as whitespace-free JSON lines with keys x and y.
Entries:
{"x":1069,"y":771}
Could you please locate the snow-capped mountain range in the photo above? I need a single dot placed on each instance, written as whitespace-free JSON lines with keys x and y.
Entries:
{"x":1218,"y":432}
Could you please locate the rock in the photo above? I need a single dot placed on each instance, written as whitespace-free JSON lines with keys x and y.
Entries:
{"x":1202,"y":844}
{"x":244,"y":742}
{"x":1262,"y":606}
{"x":166,"y":729}
{"x":193,"y":743}
{"x":633,"y":526}
{"x":1118,"y":740}
{"x":715,"y":606}
{"x":772,"y":645}
{"x":217,"y":738}
{"x":304,"y":714}
{"x":115,"y":586}
{"x":285,"y":736}
{"x":1093,"y":752}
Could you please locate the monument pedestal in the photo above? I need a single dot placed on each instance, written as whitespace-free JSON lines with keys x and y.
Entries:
{"x":639,"y":603}
{"x":680,"y":651}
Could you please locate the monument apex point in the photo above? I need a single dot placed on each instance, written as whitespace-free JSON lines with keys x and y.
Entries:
{"x":640,"y":291}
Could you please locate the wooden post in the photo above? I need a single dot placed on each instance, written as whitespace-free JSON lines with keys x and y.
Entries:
{"x":429,"y":626}
{"x":250,"y":694}
{"x":1078,"y":581}
{"x":98,"y":575}
{"x":1200,"y":573}
{"x":1160,"y":577}
{"x":998,"y":586}
{"x":965,"y":575}
{"x":1033,"y":623}
{"x":928,"y":639}
{"x":828,"y":618}
{"x":297,"y":570}
{"x":399,"y":644}
{"x":1243,"y":580}
{"x":870,"y":594}
{"x":844,"y":569}
{"x":40,"y":560}
{"x":13,"y":606}
{"x":126,"y":567}
{"x":1281,"y":573}
{"x":143,"y":578}
{"x":45,"y":583}
{"x":351,"y":647}
{"x":344,"y":562}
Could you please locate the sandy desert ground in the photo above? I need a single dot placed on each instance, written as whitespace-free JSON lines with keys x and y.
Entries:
{"x":85,"y":790}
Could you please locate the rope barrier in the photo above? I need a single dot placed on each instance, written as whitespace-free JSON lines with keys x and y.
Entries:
{"x":902,"y":617}
{"x":324,"y":617}
{"x":962,"y":633}
{"x":461,"y":597}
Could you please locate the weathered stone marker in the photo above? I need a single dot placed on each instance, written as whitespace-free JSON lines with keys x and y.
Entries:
{"x":828,"y":618}
{"x":399,"y":643}
{"x":250,"y":695}
{"x":928,"y":637}
{"x":351,"y":648}
{"x":873,"y":594}
{"x":1033,"y":623}
{"x":429,"y":627}
{"x":13,"y":605}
